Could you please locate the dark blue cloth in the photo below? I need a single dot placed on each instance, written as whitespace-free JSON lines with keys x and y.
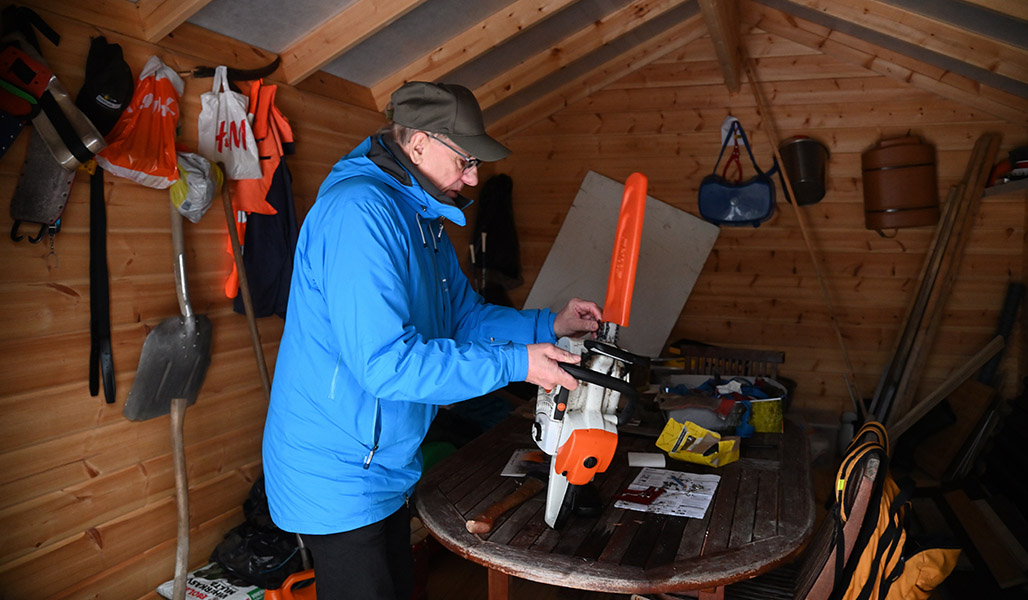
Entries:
{"x":268,"y":249}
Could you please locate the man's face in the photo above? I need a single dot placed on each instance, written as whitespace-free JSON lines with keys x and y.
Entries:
{"x":443,"y":163}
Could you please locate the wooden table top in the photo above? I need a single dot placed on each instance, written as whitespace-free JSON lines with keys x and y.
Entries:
{"x":761,"y":514}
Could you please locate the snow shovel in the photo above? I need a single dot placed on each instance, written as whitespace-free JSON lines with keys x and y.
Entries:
{"x":171,"y":370}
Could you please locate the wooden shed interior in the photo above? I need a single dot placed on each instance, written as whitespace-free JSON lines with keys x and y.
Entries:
{"x":87,"y":502}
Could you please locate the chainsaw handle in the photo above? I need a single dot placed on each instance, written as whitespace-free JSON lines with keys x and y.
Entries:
{"x":614,"y":352}
{"x":604,"y":380}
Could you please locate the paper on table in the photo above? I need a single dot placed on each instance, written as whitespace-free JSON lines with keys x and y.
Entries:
{"x":685,"y":494}
{"x":524,"y":461}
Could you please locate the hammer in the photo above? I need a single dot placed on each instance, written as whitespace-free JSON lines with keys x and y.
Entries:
{"x":483,"y":523}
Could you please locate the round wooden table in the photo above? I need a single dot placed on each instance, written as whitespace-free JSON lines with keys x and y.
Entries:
{"x":760,"y":516}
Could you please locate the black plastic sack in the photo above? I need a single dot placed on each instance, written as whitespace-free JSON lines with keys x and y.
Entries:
{"x":258,"y":552}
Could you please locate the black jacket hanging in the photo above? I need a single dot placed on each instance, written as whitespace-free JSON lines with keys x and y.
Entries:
{"x":495,"y":251}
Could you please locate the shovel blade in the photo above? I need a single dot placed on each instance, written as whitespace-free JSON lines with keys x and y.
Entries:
{"x":173,"y":364}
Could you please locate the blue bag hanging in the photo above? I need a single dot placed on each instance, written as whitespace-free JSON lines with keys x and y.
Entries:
{"x":726,"y":202}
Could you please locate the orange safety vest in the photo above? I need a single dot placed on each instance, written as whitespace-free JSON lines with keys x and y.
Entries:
{"x":271,"y":129}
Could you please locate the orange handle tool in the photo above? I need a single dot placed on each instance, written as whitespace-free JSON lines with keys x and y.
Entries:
{"x":621,"y":281}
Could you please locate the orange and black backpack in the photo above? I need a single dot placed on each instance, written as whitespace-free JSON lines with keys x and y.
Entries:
{"x":883,"y":562}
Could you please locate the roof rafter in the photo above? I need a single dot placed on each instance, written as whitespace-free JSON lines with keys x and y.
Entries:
{"x":935,"y":36}
{"x":571,"y":48}
{"x":581,"y":87}
{"x":158,"y":18}
{"x":722,"y":18}
{"x":884,"y":62}
{"x":351,"y":26}
{"x":1013,"y":8}
{"x":470,"y":44}
{"x":147,"y":20}
{"x":119,"y":16}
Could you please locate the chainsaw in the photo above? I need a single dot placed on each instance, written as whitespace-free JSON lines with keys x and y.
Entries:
{"x":578,"y":428}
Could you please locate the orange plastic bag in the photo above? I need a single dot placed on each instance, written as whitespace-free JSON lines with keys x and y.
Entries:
{"x":142,"y":144}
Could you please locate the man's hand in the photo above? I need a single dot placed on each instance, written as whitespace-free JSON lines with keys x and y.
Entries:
{"x":543,"y":369}
{"x":578,"y":319}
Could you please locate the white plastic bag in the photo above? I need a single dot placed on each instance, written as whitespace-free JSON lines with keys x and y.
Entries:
{"x":198,"y":181}
{"x":224,"y":131}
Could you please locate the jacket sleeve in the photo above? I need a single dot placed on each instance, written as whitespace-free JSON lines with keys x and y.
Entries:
{"x":367,"y":289}
{"x":478,"y":320}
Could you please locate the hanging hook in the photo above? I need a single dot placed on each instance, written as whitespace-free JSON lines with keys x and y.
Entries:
{"x":17,"y":237}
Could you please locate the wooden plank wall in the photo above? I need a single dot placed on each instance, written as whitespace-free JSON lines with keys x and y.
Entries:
{"x":758,"y":288}
{"x":86,"y":497}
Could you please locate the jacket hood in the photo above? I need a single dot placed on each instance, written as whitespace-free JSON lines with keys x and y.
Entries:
{"x":382,"y":160}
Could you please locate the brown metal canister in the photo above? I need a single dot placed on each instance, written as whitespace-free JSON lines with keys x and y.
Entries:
{"x":804,"y":159}
{"x":900,"y":186}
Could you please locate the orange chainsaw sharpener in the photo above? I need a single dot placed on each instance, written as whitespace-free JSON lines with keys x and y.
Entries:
{"x":586,"y":453}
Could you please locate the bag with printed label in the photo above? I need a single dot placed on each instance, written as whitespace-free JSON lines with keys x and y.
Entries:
{"x":224,"y":131}
{"x":142,"y":143}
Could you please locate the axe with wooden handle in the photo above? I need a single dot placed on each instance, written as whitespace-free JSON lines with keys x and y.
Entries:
{"x":483,"y":523}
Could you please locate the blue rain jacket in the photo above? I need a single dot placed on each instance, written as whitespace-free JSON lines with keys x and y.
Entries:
{"x":382,"y":328}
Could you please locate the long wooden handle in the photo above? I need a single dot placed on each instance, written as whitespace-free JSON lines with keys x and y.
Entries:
{"x":483,"y":523}
{"x":244,"y":289}
{"x":178,"y":455}
{"x":772,"y":136}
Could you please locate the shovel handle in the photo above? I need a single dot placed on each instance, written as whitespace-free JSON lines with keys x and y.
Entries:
{"x":179,"y":247}
{"x":178,"y":415}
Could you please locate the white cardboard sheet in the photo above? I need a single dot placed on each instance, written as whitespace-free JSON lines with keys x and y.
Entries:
{"x":674,"y":247}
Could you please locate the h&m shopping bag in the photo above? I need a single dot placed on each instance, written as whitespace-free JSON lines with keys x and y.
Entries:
{"x":224,"y":131}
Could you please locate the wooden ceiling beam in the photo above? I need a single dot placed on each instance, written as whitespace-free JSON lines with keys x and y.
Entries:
{"x":1012,"y":8}
{"x":722,"y":18}
{"x":470,"y":44}
{"x":353,"y":25}
{"x":891,"y":64}
{"x":158,"y":18}
{"x":942,"y":38}
{"x":119,"y":16}
{"x":571,"y":48}
{"x":581,"y":87}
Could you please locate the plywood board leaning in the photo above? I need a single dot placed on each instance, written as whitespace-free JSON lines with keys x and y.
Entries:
{"x":674,"y":247}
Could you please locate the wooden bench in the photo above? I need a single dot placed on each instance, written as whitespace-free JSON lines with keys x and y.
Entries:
{"x":719,"y":360}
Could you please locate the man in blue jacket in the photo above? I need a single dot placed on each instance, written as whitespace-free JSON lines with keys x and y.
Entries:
{"x":382,"y":328}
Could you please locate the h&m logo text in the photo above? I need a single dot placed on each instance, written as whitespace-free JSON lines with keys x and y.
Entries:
{"x":234,"y":137}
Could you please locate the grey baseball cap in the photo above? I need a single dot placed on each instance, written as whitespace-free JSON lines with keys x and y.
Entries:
{"x":448,"y":109}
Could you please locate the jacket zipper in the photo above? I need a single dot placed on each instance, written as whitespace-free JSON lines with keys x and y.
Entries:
{"x":443,"y":282}
{"x":377,"y":434}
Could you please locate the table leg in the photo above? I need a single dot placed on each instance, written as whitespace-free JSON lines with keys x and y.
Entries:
{"x":499,"y":585}
{"x":717,"y":593}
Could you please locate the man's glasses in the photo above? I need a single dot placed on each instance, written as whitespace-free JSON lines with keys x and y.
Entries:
{"x":469,"y":161}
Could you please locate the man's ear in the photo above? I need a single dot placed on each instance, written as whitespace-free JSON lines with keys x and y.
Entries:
{"x":417,"y":146}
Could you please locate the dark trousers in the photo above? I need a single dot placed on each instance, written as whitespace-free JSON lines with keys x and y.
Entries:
{"x":370,"y":563}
